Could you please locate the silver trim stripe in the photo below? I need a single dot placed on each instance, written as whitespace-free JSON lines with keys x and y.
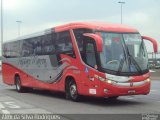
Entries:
{"x":133,"y":84}
{"x":118,"y":78}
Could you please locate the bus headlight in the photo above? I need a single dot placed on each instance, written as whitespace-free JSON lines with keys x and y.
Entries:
{"x":100,"y":78}
{"x":148,"y":80}
{"x":109,"y":81}
{"x":103,"y":79}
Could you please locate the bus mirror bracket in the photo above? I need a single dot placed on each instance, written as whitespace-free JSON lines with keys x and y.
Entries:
{"x":97,"y":39}
{"x":153,"y":41}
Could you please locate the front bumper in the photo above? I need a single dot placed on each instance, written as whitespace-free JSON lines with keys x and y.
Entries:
{"x":124,"y":89}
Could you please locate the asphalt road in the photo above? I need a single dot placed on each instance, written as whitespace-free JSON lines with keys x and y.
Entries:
{"x":40,"y":102}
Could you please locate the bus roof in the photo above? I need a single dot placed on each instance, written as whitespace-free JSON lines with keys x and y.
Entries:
{"x":110,"y":27}
{"x":99,"y":26}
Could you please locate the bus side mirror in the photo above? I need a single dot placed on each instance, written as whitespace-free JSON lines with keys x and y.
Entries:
{"x":154,"y":42}
{"x":97,"y":39}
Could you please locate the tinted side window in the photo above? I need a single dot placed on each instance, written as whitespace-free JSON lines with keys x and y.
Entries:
{"x":48,"y":44}
{"x":41,"y":45}
{"x":80,"y":37}
{"x":37,"y":45}
{"x":90,"y":54}
{"x":27,"y":48}
{"x":64,"y":43}
{"x":32,"y":46}
{"x":11,"y":49}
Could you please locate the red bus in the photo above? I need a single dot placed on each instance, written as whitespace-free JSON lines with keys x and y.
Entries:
{"x":85,"y":58}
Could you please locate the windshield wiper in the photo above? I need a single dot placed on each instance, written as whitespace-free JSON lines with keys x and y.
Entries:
{"x":120,"y":66}
{"x":129,"y":59}
{"x":132,"y":60}
{"x":121,"y":62}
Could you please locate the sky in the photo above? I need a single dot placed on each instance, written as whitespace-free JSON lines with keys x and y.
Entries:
{"x":38,"y":15}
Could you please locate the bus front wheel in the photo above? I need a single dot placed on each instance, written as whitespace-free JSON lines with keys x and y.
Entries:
{"x":72,"y":91}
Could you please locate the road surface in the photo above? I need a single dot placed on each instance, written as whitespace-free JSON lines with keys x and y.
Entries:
{"x":39,"y":102}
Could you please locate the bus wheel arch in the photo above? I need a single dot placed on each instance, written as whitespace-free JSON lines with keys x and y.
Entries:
{"x":71,"y":89}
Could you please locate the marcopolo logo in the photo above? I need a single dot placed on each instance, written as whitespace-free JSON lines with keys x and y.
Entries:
{"x":150,"y":117}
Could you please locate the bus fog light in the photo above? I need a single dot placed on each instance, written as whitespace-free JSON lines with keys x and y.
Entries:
{"x":105,"y":90}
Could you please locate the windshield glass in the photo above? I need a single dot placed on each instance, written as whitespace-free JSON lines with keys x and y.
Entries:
{"x":123,"y":52}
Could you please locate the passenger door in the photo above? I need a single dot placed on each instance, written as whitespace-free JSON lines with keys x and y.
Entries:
{"x":91,"y":60}
{"x":90,"y":53}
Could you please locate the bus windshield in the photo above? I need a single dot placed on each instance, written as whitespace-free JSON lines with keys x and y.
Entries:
{"x":123,"y":53}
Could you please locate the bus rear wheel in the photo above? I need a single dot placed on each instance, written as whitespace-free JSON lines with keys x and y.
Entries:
{"x":73,"y":92}
{"x":18,"y":84}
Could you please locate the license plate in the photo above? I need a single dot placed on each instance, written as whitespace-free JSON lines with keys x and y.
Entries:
{"x":131,"y":91}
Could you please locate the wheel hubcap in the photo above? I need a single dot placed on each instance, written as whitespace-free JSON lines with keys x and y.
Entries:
{"x":73,"y":90}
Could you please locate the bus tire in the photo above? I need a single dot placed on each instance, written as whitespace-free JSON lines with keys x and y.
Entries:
{"x":72,"y":91}
{"x":18,"y":84}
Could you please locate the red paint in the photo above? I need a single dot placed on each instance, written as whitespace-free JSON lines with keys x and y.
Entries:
{"x":96,"y":26}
